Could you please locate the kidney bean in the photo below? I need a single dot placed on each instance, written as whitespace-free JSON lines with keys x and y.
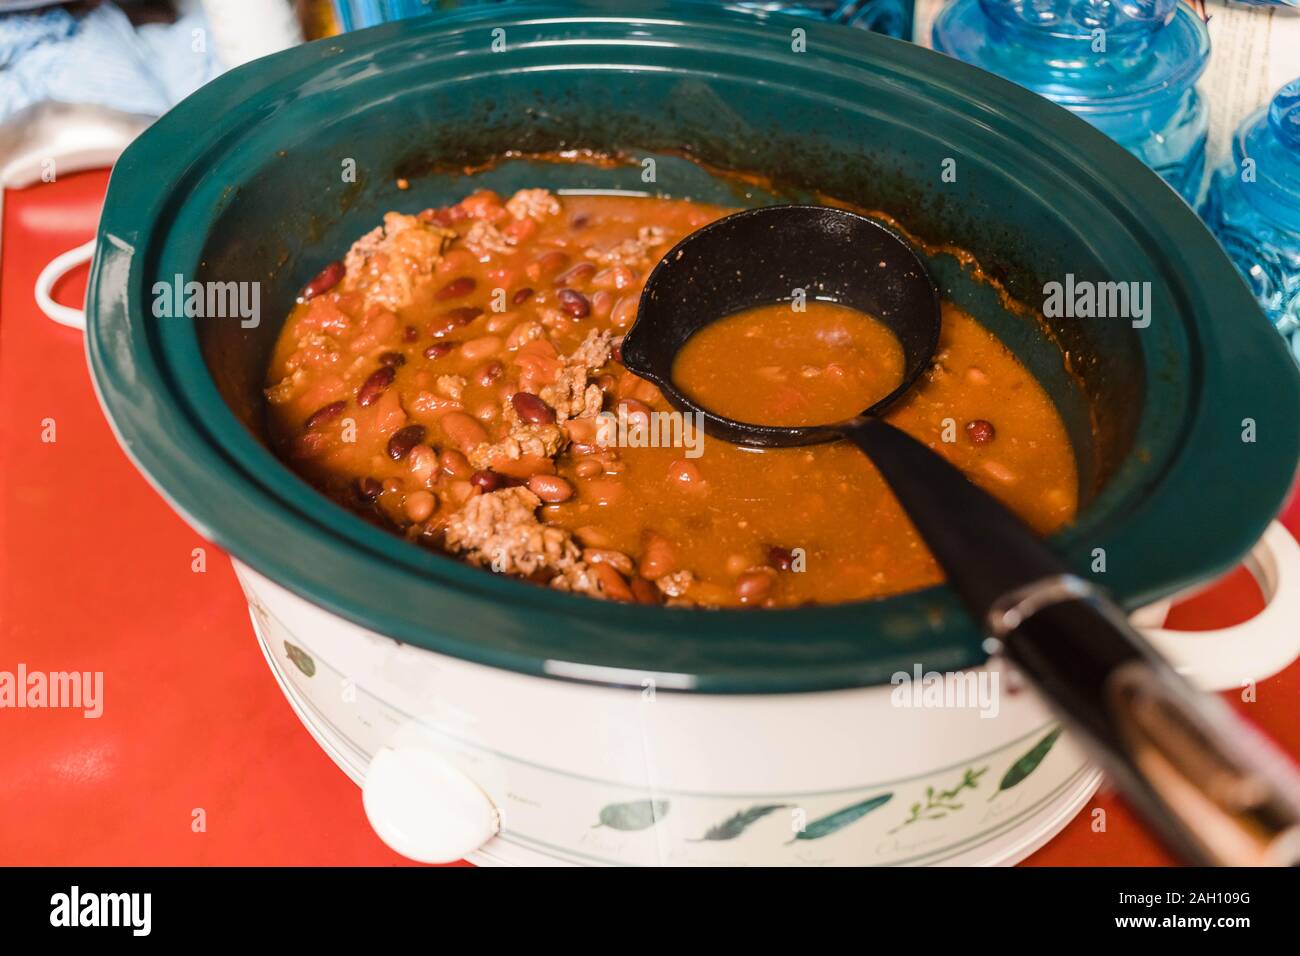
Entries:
{"x":685,"y":475}
{"x":657,"y":556}
{"x":522,"y":334}
{"x":780,"y":558}
{"x":623,"y":314}
{"x":634,"y":410}
{"x":464,"y":431}
{"x":487,"y":412}
{"x":581,"y":430}
{"x":324,"y":280}
{"x":487,"y":480}
{"x":579,"y":273}
{"x":601,"y":303}
{"x":588,"y":468}
{"x":552,"y":489}
{"x":501,"y":321}
{"x":419,"y":505}
{"x":617,"y":351}
{"x":523,"y":467}
{"x":403,"y":440}
{"x":454,"y":464}
{"x":325,"y":413}
{"x":592,"y":537}
{"x":457,"y":287}
{"x":620,"y":561}
{"x":374,"y":386}
{"x":522,"y":296}
{"x":580,"y":221}
{"x":438,"y":349}
{"x":454,"y":319}
{"x":547,"y":264}
{"x":423,"y":462}
{"x":753,"y":586}
{"x":612,"y":583}
{"x":645,"y":592}
{"x":392,"y":359}
{"x":482,"y":347}
{"x":368,"y":489}
{"x":574,"y":303}
{"x":489,"y":373}
{"x":410,"y":333}
{"x":532,"y":409}
{"x":980,"y":432}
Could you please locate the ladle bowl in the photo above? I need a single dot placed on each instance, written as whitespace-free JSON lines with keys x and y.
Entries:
{"x":778,"y":254}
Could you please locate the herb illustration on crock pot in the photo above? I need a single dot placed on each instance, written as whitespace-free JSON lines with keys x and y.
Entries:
{"x":1026,"y":765}
{"x":632,"y":816}
{"x":938,"y":803}
{"x":739,"y":822}
{"x":448,"y":379}
{"x":834,"y":822}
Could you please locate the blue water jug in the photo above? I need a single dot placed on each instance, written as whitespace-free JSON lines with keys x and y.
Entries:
{"x":1129,"y":68}
{"x":1253,"y":206}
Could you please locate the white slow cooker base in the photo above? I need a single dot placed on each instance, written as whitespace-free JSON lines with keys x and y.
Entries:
{"x":1004,"y":849}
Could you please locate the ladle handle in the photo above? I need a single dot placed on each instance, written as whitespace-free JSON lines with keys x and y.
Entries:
{"x":1215,"y":790}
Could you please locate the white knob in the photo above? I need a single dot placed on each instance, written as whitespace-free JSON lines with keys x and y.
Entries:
{"x":424,"y":808}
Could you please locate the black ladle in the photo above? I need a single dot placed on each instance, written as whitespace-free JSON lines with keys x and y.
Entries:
{"x":1214,"y":789}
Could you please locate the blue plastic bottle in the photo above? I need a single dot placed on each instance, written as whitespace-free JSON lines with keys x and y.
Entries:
{"x":1253,"y":206}
{"x":1128,"y":67}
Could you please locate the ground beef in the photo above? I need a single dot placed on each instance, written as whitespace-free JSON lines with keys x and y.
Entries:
{"x":533,"y":204}
{"x":676,"y":584}
{"x":485,"y":240}
{"x":542,"y":441}
{"x":387,"y":263}
{"x":452,"y":386}
{"x":500,"y":530}
{"x":630,"y":252}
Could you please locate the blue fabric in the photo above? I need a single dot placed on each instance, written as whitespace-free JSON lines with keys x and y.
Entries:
{"x":101,"y":59}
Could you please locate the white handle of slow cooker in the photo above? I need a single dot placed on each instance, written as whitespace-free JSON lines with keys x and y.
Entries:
{"x":58,"y":267}
{"x":1232,"y":657}
{"x":423,"y":807}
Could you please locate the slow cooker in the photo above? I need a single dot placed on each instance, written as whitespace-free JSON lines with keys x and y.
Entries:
{"x":487,"y":717}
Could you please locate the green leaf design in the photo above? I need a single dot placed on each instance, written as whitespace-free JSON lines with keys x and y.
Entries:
{"x":734,"y":826}
{"x":840,"y":819}
{"x":1027,"y":764}
{"x":938,"y":803}
{"x":637,"y":815}
{"x":301,"y":659}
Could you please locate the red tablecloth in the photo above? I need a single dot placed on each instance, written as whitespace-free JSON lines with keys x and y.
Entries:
{"x":96,"y":576}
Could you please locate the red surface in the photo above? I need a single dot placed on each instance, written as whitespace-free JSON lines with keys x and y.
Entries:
{"x":95,"y":575}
